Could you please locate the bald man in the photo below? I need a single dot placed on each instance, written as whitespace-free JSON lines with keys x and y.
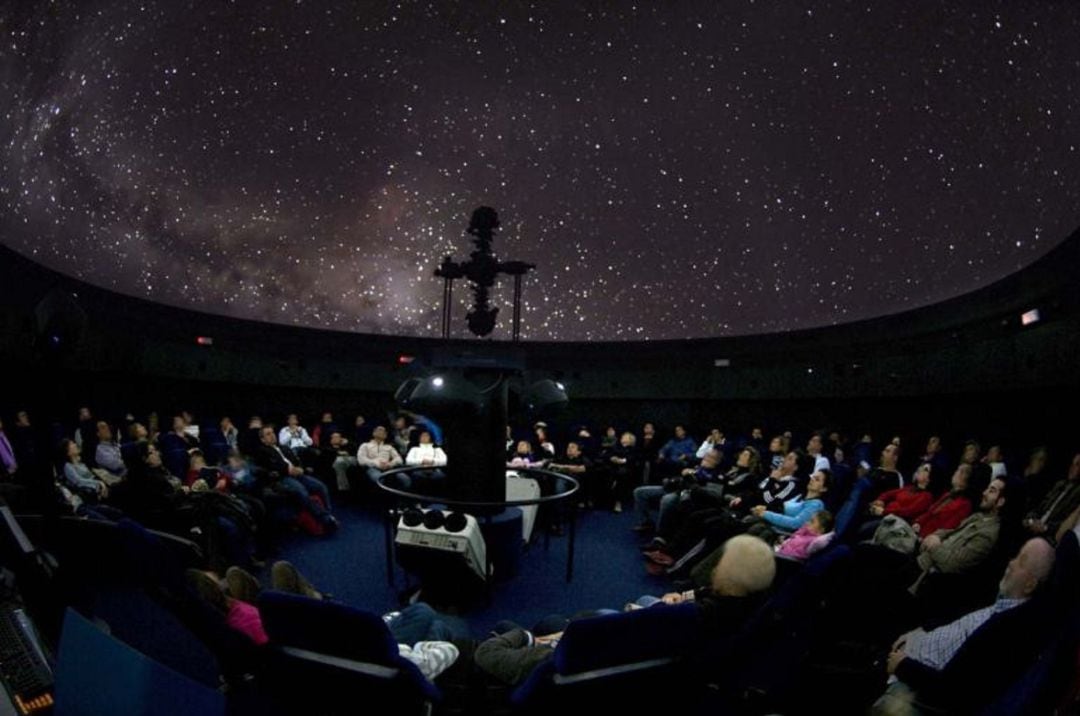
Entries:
{"x":919,"y":657}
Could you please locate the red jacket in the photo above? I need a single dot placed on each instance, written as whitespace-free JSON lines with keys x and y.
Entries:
{"x":945,"y":514}
{"x":907,"y":502}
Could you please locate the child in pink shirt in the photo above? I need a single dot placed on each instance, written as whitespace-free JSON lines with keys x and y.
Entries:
{"x":808,"y":539}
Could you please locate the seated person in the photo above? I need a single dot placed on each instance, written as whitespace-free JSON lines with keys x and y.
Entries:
{"x":885,"y":476}
{"x":949,"y":510}
{"x":962,"y":549}
{"x":745,"y":571}
{"x":337,"y":451}
{"x":294,"y":436}
{"x":377,"y":456}
{"x":797,"y":511}
{"x":423,"y":638}
{"x":678,"y":453}
{"x":919,"y":658}
{"x":907,"y":503}
{"x":809,"y":539}
{"x":523,"y":456}
{"x":673,"y":490}
{"x":426,"y":454}
{"x":78,"y":477}
{"x":576,"y":465}
{"x":1062,"y":499}
{"x":286,"y":477}
{"x":107,"y":454}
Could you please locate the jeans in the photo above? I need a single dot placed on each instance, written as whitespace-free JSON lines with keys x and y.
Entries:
{"x":647,"y":493}
{"x":301,"y":487}
{"x":341,"y":470}
{"x":401,"y":480}
{"x":419,"y":622}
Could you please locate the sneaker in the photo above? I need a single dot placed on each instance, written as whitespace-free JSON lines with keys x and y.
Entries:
{"x":617,"y":507}
{"x":242,"y":585}
{"x":287,"y":578}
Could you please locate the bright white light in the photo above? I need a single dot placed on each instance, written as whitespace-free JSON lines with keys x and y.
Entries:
{"x":1030,"y":317}
{"x":437,"y":381}
{"x":560,"y":386}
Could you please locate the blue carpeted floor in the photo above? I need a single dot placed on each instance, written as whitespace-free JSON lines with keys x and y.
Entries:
{"x":608,"y":570}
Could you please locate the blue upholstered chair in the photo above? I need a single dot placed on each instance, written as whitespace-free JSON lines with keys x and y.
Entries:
{"x":324,"y":657}
{"x":620,"y":660}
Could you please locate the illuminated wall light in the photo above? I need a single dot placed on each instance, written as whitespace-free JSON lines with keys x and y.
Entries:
{"x":204,"y":341}
{"x":1029,"y":317}
{"x":405,"y":359}
{"x":722,"y":363}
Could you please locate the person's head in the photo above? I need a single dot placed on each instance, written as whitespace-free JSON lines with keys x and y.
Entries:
{"x":292,"y":420}
{"x":226,"y":423}
{"x":255,"y":423}
{"x":573,"y":450}
{"x":776,"y":445}
{"x":790,"y":463}
{"x":971,"y":453}
{"x":961,"y":478}
{"x":646,"y":429}
{"x":541,"y":434}
{"x":748,"y":459}
{"x":994,"y":454}
{"x":196,"y":461}
{"x":137,"y":432}
{"x":401,"y":422}
{"x":1074,"y":467}
{"x":804,"y":463}
{"x":921,"y":478}
{"x":1028,"y":570}
{"x":378,"y":434}
{"x":815,"y":444}
{"x":425,"y":437}
{"x":359,"y":422}
{"x":1037,"y":461}
{"x":757,"y":434}
{"x":187,"y":416}
{"x":993,"y":497}
{"x":747,"y":566}
{"x":235,"y":460}
{"x":151,"y":456}
{"x":933,"y":445}
{"x":104,"y":432}
{"x":69,"y":450}
{"x":22,"y":419}
{"x":336,"y":439}
{"x":628,"y":439}
{"x":209,"y":589}
{"x":84,"y":414}
{"x":716,"y":435}
{"x":327,"y":417}
{"x":523,"y":448}
{"x":680,"y":432}
{"x":890,"y":454}
{"x":821,"y":522}
{"x":178,"y":424}
{"x":266,"y":435}
{"x":711,"y":459}
{"x":818,"y":484}
{"x":611,"y":432}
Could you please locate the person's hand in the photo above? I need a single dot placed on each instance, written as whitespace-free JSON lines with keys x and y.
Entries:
{"x":1035,"y":526}
{"x":895,"y":657}
{"x":103,"y":490}
{"x":222,"y":484}
{"x":688,"y":472}
{"x":384,"y":464}
{"x":758,"y":510}
{"x":549,"y":639}
{"x":736,"y":502}
{"x":877,"y":510}
{"x":932,"y":542}
{"x":672,"y":598}
{"x":916,"y":527}
{"x":427,"y":462}
{"x":295,"y":471}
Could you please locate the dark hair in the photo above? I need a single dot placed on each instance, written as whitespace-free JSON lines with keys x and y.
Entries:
{"x":804,"y":463}
{"x":826,"y":519}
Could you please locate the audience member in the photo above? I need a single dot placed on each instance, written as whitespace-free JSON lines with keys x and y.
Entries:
{"x":107,"y":454}
{"x":1060,"y":501}
{"x":677,"y":453}
{"x":294,"y":436}
{"x":376,"y":456}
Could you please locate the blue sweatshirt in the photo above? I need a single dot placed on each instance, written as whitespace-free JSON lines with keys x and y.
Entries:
{"x":797,"y":512}
{"x":674,"y":449}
